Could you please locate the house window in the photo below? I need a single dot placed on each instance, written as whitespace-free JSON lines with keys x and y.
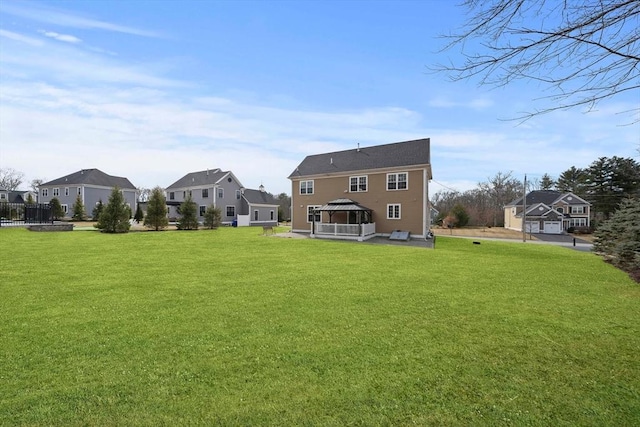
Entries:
{"x":231,"y":210}
{"x":357,"y":183}
{"x":65,"y":209}
{"x":56,"y":192}
{"x":306,"y":187}
{"x":271,"y":215}
{"x":561,"y":210}
{"x":310,"y":211}
{"x":3,"y":196}
{"x":172,"y":195}
{"x":45,"y":192}
{"x":397,"y":181}
{"x":79,"y":191}
{"x":393,"y":211}
{"x":255,"y":215}
{"x":203,"y":209}
{"x":238,"y":194}
{"x":220,"y":193}
{"x":578,"y":222}
{"x":66,"y":191}
{"x":577,"y":209}
{"x":205,"y":193}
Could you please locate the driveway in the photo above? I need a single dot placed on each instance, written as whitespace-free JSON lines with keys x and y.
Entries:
{"x":565,"y":240}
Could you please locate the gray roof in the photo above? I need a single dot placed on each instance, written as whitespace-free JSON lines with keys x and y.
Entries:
{"x":92,"y":177}
{"x":539,"y":196}
{"x":548,"y":197}
{"x":398,"y":154}
{"x":196,"y":179}
{"x":343,"y":205}
{"x":258,"y":197}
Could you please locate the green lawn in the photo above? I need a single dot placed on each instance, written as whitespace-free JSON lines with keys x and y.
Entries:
{"x":230,"y":327}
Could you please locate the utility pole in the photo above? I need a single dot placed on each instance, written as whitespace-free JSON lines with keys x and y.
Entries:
{"x":524,"y":209}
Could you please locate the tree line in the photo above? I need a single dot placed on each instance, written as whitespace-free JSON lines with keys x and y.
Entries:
{"x":605,"y":183}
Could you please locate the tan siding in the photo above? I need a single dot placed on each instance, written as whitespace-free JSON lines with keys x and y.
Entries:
{"x":376,"y":198}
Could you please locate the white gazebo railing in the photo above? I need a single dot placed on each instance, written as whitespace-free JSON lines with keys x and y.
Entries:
{"x":355,"y":231}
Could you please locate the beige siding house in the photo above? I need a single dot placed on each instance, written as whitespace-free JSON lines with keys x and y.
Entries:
{"x":364,"y":192}
{"x":548,"y":212}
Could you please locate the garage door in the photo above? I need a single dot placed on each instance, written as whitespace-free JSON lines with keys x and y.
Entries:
{"x":533,"y":227}
{"x":552,"y":227}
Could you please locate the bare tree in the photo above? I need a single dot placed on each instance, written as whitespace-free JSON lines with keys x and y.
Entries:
{"x":10,"y":179}
{"x":582,"y":51}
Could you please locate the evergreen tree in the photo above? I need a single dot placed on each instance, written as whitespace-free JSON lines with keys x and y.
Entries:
{"x":573,"y":180}
{"x":156,"y":217}
{"x":547,"y":183}
{"x":212,"y":217}
{"x":188,"y":215}
{"x":97,"y":210}
{"x":56,"y":209}
{"x":609,"y":181}
{"x":139,"y":216}
{"x":78,"y":210}
{"x":618,"y":238}
{"x":461,"y":215}
{"x":115,"y":215}
{"x":30,"y":200}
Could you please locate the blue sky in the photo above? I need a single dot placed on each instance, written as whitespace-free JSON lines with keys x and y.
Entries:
{"x":152,"y":90}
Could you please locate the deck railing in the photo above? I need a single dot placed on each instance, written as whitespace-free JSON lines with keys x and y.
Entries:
{"x":335,"y":229}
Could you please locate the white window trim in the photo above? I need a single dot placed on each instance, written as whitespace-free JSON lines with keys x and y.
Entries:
{"x":45,"y":192}
{"x":65,"y":208}
{"x":306,"y":193}
{"x":357,"y":178}
{"x":226,"y":210}
{"x":399,"y":211}
{"x":309,"y":213}
{"x":66,"y":191}
{"x":396,"y":175}
{"x":220,"y":193}
{"x":56,"y":192}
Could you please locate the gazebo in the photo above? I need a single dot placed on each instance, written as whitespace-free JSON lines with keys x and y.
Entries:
{"x":347,"y":220}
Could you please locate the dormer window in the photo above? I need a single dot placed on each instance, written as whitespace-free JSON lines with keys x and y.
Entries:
{"x":561,"y":210}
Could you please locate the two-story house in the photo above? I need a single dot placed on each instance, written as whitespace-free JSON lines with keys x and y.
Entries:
{"x":223,"y":190}
{"x":548,"y":212}
{"x":363,"y":192}
{"x":92,"y":185}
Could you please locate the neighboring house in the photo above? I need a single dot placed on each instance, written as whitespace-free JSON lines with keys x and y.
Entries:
{"x":18,"y":196}
{"x":548,"y":212}
{"x":222,"y":190}
{"x":92,"y":185}
{"x":363,"y":192}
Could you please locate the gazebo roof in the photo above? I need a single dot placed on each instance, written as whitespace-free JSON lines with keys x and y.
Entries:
{"x":343,"y":205}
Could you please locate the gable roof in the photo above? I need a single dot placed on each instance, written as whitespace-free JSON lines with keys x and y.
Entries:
{"x":257,"y":197}
{"x":205,"y":177}
{"x":546,"y":197}
{"x":398,"y":154}
{"x":92,"y":177}
{"x":549,"y":198}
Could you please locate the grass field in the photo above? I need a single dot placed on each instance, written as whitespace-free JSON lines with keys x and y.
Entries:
{"x":229,"y":327}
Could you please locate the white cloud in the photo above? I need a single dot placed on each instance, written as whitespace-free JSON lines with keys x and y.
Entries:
{"x":20,"y":38}
{"x":61,"y":37}
{"x":35,"y":12}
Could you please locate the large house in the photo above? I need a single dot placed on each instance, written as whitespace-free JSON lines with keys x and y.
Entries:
{"x":222,"y":190}
{"x":548,"y":212}
{"x":92,"y":185}
{"x":363,"y":192}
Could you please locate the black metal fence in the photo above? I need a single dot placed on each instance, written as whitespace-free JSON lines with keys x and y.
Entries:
{"x":21,"y":214}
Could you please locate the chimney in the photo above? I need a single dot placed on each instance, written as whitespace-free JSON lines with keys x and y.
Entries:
{"x":358,"y":147}
{"x":261,"y":188}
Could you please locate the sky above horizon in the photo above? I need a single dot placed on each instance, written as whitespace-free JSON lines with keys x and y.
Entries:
{"x":153,"y":90}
